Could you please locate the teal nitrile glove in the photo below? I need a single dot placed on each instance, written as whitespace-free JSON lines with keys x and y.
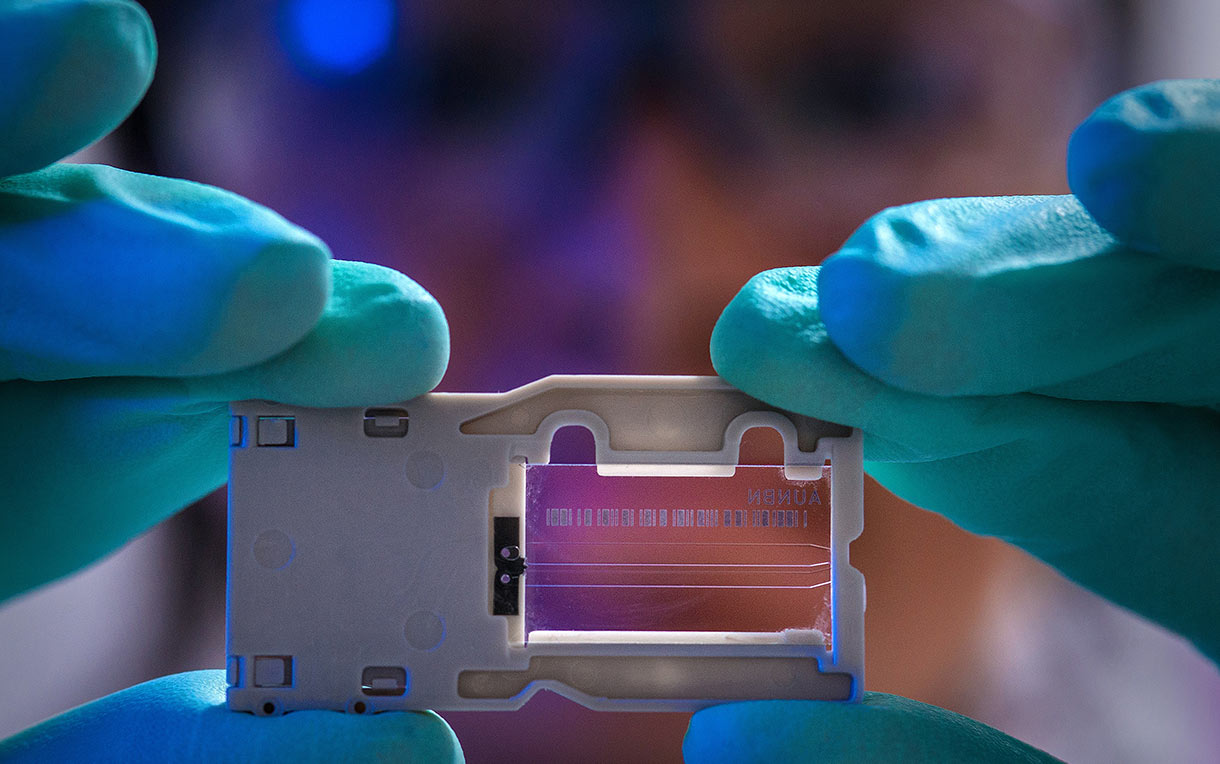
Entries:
{"x":132,"y":308}
{"x":1026,"y":373}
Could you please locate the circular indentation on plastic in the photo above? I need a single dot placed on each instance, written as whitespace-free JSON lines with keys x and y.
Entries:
{"x":425,"y":470}
{"x":583,"y":676}
{"x":425,"y":630}
{"x":270,"y":707}
{"x":273,"y":549}
{"x":358,"y":706}
{"x":782,"y":675}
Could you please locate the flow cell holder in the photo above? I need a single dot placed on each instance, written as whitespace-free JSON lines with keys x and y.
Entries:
{"x":432,"y":554}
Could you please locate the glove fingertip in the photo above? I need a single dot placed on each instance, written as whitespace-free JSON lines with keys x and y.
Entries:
{"x":762,"y":325}
{"x":381,"y":339}
{"x":396,"y":329}
{"x":1146,"y":166}
{"x":859,"y":300}
{"x":275,"y":301}
{"x":85,"y":64}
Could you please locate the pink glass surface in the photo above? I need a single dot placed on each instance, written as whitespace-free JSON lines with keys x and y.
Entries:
{"x":750,"y":552}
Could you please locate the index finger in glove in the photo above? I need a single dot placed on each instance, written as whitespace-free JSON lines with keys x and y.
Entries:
{"x":89,"y":463}
{"x":1146,"y":164}
{"x":73,"y":70}
{"x":111,"y":273}
{"x":990,"y":296}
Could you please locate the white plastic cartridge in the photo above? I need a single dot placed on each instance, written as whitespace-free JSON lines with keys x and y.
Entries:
{"x":432,"y":554}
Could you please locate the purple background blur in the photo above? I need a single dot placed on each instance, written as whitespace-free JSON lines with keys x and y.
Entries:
{"x":583,"y":186}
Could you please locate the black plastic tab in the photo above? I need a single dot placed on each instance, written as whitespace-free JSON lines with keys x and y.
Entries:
{"x":508,"y":565}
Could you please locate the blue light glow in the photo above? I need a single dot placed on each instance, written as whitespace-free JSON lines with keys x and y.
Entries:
{"x":339,"y":37}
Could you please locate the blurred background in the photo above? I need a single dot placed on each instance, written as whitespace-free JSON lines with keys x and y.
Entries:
{"x":583,"y":186}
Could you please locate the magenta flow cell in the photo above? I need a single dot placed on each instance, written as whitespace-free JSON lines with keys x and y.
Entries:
{"x":747,"y":552}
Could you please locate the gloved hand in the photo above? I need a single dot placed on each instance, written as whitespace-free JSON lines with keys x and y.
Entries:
{"x":1040,"y":369}
{"x":131,"y":309}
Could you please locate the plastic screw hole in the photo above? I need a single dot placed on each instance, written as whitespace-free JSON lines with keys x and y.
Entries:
{"x":359,"y":707}
{"x":268,"y":708}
